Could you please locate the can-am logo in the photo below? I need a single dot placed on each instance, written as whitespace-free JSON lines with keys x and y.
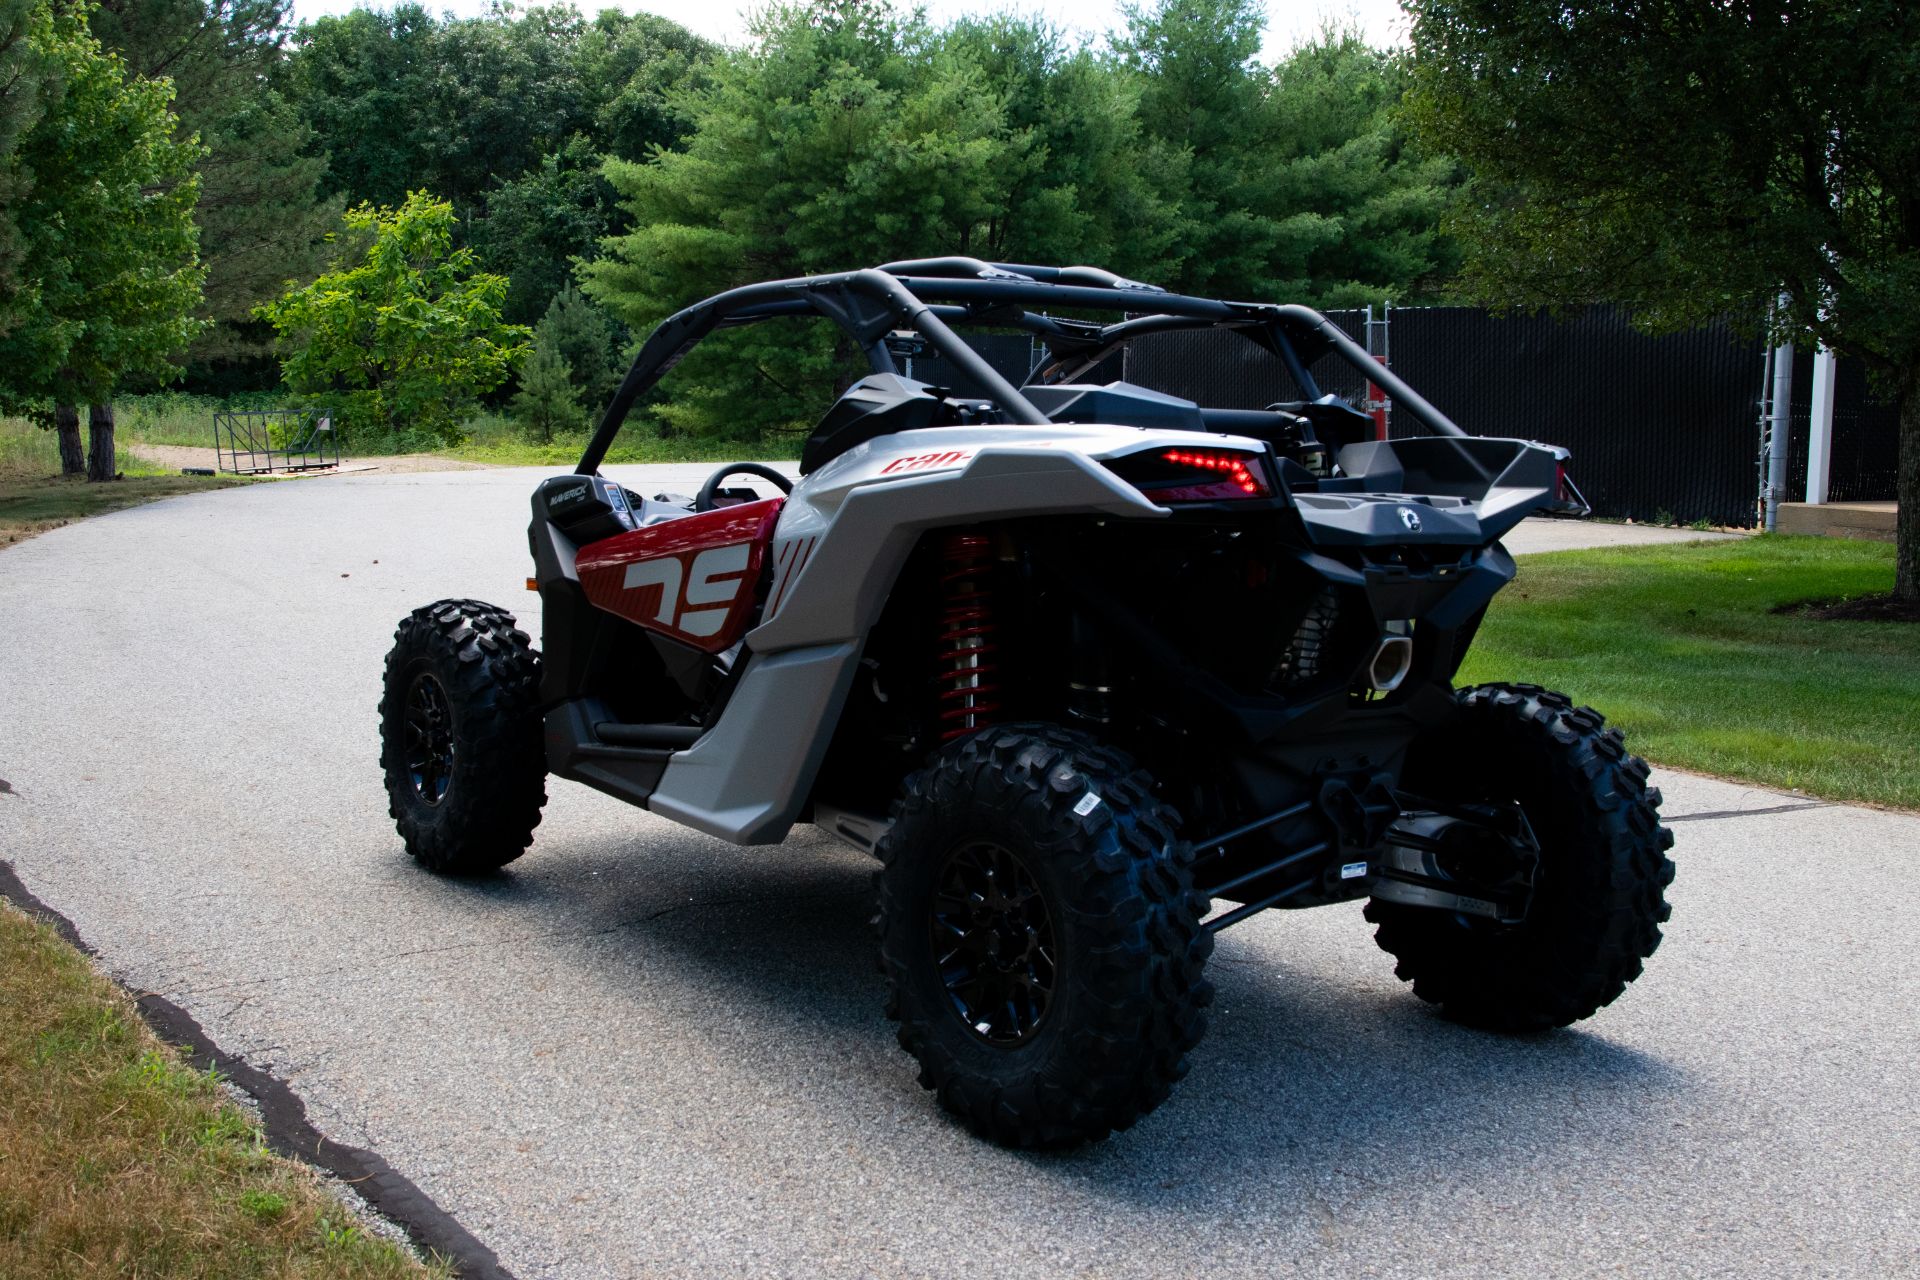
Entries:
{"x":922,"y":461}
{"x":1410,"y":518}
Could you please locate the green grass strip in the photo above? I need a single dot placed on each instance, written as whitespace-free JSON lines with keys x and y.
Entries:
{"x":1678,"y":646}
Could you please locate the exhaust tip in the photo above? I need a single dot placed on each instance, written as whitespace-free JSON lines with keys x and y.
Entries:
{"x":1390,"y":664}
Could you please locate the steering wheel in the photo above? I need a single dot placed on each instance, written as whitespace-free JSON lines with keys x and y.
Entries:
{"x":703,"y":501}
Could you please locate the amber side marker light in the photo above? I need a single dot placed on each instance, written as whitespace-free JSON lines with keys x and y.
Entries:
{"x":533,"y":584}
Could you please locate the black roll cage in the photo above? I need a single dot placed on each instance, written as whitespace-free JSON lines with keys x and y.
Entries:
{"x":926,"y":293}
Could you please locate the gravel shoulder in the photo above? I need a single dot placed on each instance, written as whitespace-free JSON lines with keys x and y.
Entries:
{"x":640,"y":1052}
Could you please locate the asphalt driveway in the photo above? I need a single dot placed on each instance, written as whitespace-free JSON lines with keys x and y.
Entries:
{"x":640,"y":1052}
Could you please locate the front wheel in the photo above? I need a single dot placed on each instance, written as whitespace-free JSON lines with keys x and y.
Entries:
{"x":1598,"y":893}
{"x":1041,"y":936}
{"x":460,"y":737}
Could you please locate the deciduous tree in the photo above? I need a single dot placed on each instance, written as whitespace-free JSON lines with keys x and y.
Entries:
{"x":109,"y":277}
{"x":27,"y":75}
{"x":404,"y":330}
{"x":401,"y":99}
{"x":505,"y":116}
{"x":538,"y":224}
{"x":1696,"y":158}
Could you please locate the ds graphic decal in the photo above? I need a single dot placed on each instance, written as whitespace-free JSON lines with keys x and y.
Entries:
{"x":692,"y":579}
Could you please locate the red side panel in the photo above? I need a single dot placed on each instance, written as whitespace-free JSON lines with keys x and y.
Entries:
{"x":691,"y":579}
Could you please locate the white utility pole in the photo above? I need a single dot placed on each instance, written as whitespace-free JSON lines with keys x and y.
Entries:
{"x":1820,"y":427}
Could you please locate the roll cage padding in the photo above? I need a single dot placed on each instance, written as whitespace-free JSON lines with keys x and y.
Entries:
{"x":925,"y":294}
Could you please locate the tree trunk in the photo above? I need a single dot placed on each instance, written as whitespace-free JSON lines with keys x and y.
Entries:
{"x":1906,"y":574}
{"x":66,"y":424}
{"x":99,"y":442}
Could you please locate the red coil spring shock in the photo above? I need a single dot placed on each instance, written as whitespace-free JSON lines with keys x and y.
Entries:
{"x":968,"y":679}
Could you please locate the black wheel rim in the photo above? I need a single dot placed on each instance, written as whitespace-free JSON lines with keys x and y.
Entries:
{"x":429,"y":739}
{"x":993,"y":943}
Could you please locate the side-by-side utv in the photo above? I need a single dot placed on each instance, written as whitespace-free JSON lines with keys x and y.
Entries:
{"x":1094,"y":671}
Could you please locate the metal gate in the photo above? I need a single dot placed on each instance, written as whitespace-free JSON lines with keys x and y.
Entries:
{"x":256,"y":442}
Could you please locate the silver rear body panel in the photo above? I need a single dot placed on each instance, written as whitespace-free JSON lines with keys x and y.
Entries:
{"x":843,"y":537}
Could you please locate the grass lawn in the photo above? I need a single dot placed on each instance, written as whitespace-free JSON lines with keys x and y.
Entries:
{"x":35,"y":497}
{"x":1676,"y":644}
{"x":118,"y":1160}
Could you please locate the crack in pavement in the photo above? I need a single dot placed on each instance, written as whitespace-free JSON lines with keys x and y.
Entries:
{"x":1714,"y":814}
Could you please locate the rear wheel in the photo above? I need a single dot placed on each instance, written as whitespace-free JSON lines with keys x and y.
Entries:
{"x":1041,"y":936}
{"x":460,"y":739}
{"x":1598,"y":892}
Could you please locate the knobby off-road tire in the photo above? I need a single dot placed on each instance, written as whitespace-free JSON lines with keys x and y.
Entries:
{"x":1599,"y":892}
{"x":460,"y":737}
{"x":1127,"y":996}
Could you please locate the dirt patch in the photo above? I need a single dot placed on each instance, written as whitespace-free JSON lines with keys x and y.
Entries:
{"x":1884,"y":608}
{"x":181,"y":456}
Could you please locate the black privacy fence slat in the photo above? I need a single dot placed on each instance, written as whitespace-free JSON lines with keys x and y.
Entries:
{"x":1659,"y":427}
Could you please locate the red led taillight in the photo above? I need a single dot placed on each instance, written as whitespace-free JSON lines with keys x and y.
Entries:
{"x":1196,"y":475}
{"x":1233,"y":467}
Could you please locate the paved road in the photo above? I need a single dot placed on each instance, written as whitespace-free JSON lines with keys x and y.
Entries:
{"x":645,"y":1053}
{"x":1571,"y":535}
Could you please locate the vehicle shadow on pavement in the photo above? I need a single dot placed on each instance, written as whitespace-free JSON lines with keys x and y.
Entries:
{"x":1319,"y":1068}
{"x":784,"y":927}
{"x":1305,"y":1079}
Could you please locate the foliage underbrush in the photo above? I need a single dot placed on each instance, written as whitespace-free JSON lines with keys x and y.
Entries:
{"x":31,"y":451}
{"x":501,"y":441}
{"x":177,"y":418}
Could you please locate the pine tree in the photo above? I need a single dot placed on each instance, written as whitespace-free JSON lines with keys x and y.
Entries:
{"x":262,"y":223}
{"x":583,"y":335}
{"x":546,"y":399}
